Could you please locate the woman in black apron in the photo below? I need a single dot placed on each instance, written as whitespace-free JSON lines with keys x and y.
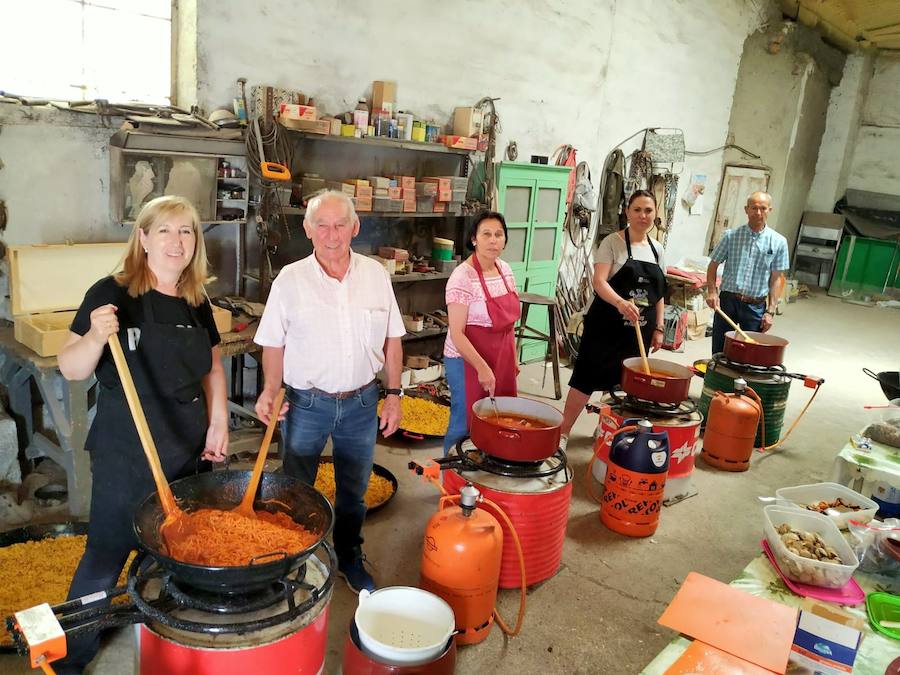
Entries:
{"x":164,"y":321}
{"x":634,"y":292}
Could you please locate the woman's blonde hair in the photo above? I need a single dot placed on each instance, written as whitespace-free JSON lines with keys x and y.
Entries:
{"x":137,"y":276}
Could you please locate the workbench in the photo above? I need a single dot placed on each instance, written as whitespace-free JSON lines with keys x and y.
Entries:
{"x":70,"y":404}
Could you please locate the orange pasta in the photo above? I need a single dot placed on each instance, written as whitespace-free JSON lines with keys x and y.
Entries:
{"x":216,"y":538}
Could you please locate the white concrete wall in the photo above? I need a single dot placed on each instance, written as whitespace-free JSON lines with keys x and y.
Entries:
{"x":584,"y":72}
{"x":841,"y":129}
{"x":875,"y":165}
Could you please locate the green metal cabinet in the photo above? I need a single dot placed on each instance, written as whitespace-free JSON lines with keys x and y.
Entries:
{"x":866,"y":267}
{"x":532,"y":198}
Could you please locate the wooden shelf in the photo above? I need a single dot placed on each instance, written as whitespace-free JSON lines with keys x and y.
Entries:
{"x":418,"y":276}
{"x":382,"y":143}
{"x":299,"y":211}
{"x":425,"y":333}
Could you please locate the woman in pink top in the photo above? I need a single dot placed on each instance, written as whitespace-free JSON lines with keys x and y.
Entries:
{"x":483,"y":307}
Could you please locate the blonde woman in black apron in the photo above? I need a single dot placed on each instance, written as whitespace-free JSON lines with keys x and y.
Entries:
{"x":629,"y":286}
{"x":159,"y":308}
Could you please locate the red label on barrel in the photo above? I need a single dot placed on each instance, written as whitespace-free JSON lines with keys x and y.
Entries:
{"x":631,"y":501}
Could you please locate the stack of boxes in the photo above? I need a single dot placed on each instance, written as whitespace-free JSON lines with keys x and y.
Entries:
{"x":362,"y":194}
{"x":449,"y":192}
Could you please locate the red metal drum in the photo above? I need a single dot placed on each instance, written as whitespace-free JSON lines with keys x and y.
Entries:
{"x":684,"y":446}
{"x":297,"y":646}
{"x":538,"y":509}
{"x":358,"y":662}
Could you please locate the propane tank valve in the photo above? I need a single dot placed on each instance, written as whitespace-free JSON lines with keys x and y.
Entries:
{"x":740,"y":385}
{"x":468,"y":498}
{"x":645,"y":425}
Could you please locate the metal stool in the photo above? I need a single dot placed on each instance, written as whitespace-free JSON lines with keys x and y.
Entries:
{"x":525,"y":331}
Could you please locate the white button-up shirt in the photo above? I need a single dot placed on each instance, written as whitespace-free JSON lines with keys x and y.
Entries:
{"x":332,"y":331}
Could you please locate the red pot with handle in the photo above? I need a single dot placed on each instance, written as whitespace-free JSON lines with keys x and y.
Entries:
{"x":520,"y":430}
{"x":667,"y":382}
{"x":767,"y":351}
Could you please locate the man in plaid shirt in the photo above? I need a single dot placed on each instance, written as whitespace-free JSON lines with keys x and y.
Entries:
{"x":756,"y":258}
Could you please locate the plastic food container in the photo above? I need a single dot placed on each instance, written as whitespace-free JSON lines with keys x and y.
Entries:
{"x":403,"y":625}
{"x":805,"y":570}
{"x":800,"y":495}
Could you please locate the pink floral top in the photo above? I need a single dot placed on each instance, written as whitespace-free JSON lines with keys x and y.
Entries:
{"x":464,"y":288}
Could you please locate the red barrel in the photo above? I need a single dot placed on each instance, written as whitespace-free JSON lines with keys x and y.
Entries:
{"x":635,"y":481}
{"x":539,"y":510}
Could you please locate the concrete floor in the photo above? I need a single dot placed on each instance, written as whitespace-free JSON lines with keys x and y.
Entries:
{"x":598,"y":614}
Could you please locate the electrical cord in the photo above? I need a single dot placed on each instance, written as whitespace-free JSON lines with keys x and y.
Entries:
{"x":722,"y":147}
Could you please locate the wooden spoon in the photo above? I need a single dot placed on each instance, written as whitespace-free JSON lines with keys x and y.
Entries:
{"x":245,"y":508}
{"x":738,"y":329}
{"x":170,"y":508}
{"x":640,"y":341}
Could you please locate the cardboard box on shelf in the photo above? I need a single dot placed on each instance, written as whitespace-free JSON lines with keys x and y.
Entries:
{"x":311,"y":186}
{"x":424,"y":204}
{"x":364,"y":191}
{"x":416,"y":361}
{"x":454,"y":208}
{"x":381,"y":192}
{"x":387,"y":263}
{"x":439,"y":207}
{"x":443,"y":182}
{"x":383,"y":92}
{"x":357,"y":182}
{"x":424,"y":189}
{"x":363,"y":203}
{"x":409,"y":205}
{"x":393,"y":252}
{"x":311,"y":126}
{"x":467,"y":121}
{"x":297,"y":112}
{"x":459,"y":182}
{"x":338,"y":186}
{"x":461,"y":142}
{"x":381,"y":203}
{"x":408,"y":193}
{"x":458,"y":196}
{"x":379,"y":182}
{"x":395,"y":205}
{"x":395,"y":193}
{"x":335,"y":125}
{"x":406,"y":182}
{"x":444,"y":195}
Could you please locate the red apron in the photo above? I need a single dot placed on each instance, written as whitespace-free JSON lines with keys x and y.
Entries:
{"x":496,"y":345}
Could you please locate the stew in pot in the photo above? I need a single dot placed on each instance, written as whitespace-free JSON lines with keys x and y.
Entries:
{"x":518,"y":422}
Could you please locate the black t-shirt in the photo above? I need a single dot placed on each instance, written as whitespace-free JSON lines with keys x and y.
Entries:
{"x":130,"y":313}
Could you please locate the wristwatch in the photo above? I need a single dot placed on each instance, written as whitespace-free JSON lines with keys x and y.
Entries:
{"x":395,"y":392}
{"x":661,"y":329}
{"x":772,"y":314}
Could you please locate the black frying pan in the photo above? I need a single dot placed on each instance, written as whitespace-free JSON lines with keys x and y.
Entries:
{"x":224,"y":490}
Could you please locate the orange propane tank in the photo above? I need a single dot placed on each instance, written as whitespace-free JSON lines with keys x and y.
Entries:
{"x":731,"y":428}
{"x":461,"y":563}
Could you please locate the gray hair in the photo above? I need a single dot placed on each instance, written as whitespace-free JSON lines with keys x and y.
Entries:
{"x":759,"y":192}
{"x":331,"y":195}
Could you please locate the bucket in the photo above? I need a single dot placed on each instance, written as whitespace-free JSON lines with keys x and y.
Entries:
{"x":403,"y":625}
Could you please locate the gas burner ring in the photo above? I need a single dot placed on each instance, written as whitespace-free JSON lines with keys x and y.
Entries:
{"x":160,"y":609}
{"x":749,"y":367}
{"x":627,"y":401}
{"x":472,"y":458}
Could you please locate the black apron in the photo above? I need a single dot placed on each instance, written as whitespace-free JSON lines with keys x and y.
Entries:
{"x":608,"y":337}
{"x":168,"y":363}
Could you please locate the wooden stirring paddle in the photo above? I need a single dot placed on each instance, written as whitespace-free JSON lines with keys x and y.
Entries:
{"x":738,"y":329}
{"x":170,"y":508}
{"x":640,"y":341}
{"x":245,"y":508}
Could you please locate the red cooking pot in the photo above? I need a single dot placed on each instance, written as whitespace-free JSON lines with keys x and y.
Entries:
{"x":521,"y":430}
{"x":768,"y":350}
{"x":667,"y":382}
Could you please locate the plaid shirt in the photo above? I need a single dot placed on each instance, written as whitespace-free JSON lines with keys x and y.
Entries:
{"x":750,"y":257}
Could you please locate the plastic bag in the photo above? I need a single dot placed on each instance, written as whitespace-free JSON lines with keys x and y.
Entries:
{"x":877,"y":546}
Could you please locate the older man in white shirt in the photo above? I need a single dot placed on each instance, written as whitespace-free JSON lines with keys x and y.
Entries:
{"x":331,"y":323}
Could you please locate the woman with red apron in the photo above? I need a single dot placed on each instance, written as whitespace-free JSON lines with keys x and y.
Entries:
{"x":483,"y":307}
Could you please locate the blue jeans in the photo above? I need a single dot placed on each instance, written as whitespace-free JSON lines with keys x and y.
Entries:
{"x":456,"y":379}
{"x":748,"y":317}
{"x":352,"y":424}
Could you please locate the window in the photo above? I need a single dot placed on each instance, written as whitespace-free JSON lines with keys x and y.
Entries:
{"x":119,"y":50}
